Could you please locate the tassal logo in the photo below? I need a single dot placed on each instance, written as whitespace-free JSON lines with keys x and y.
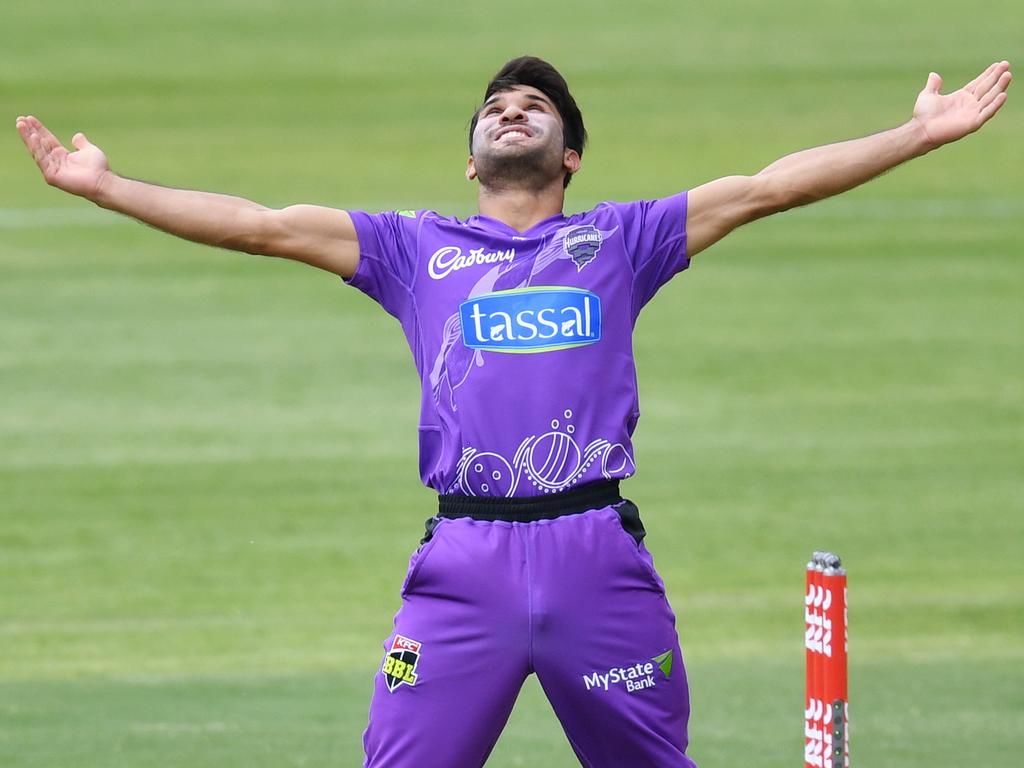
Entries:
{"x":535,"y":319}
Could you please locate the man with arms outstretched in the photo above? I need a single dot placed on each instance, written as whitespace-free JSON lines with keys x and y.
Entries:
{"x":520,"y":321}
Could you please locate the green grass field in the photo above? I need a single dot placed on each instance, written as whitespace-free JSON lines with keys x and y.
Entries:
{"x":208,"y":486}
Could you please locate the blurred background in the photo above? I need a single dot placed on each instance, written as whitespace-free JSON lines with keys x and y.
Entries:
{"x":208,"y":484}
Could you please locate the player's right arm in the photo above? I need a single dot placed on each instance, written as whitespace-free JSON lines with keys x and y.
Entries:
{"x":316,"y":235}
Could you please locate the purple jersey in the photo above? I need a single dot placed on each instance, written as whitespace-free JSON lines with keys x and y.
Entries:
{"x":523,"y":341}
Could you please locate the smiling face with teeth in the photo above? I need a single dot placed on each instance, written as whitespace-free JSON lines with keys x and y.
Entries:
{"x":518,"y":142}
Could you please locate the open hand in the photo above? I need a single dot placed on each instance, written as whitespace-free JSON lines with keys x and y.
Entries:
{"x":80,"y":172}
{"x":953,"y":116}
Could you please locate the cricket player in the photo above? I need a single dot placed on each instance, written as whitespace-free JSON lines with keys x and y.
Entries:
{"x":520,"y":321}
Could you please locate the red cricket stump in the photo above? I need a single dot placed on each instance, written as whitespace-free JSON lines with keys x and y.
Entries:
{"x":826,"y":715}
{"x":814,"y":740}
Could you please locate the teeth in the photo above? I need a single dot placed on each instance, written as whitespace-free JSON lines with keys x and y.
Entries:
{"x":513,"y":133}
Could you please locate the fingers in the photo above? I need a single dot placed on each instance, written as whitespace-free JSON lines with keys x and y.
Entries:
{"x":43,"y":145}
{"x":48,"y":140}
{"x":28,"y":128}
{"x":988,"y":90}
{"x":992,"y":108}
{"x":998,"y":87}
{"x":934,"y":83}
{"x":991,"y":100}
{"x":30,"y":136}
{"x":974,"y":83}
{"x":23,"y":130}
{"x":995,"y":98}
{"x":984,"y":82}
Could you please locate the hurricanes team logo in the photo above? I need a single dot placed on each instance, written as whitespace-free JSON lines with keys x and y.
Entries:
{"x":582,"y":244}
{"x":400,"y":663}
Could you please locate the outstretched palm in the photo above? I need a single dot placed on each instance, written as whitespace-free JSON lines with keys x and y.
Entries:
{"x":953,"y":116}
{"x":79,"y":172}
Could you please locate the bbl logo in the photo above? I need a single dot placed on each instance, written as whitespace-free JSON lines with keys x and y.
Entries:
{"x":400,"y":663}
{"x":582,"y":245}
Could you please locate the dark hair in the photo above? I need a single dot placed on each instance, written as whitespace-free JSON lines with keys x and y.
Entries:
{"x":537,"y":73}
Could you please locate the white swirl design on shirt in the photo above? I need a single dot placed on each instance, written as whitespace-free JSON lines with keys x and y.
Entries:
{"x":454,"y":362}
{"x":551,"y":462}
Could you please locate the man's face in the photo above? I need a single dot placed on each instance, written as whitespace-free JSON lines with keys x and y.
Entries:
{"x":518,"y":140}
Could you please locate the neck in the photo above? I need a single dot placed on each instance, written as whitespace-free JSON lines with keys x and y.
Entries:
{"x":521,"y":208}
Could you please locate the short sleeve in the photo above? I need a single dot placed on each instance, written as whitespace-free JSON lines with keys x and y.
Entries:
{"x":387,"y":258}
{"x":655,"y":236}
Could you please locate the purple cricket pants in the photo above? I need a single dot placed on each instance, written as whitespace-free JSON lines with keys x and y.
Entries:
{"x":559,"y":586}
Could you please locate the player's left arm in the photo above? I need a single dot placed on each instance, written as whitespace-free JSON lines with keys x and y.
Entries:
{"x":717,"y":208}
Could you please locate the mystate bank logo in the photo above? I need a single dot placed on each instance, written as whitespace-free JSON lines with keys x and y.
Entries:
{"x":533,"y":319}
{"x":638,"y":677}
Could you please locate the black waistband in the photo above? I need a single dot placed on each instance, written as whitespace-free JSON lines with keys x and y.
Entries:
{"x":529,"y":508}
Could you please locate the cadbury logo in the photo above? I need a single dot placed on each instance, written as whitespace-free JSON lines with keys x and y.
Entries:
{"x":450,"y":259}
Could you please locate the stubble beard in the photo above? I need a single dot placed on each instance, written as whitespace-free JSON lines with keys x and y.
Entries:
{"x":522,"y":168}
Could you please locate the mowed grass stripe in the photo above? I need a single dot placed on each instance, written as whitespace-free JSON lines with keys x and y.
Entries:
{"x":221,"y":720}
{"x":867,"y":209}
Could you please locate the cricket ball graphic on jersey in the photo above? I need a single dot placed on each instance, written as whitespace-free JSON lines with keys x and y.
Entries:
{"x":399,"y":666}
{"x":552,"y":461}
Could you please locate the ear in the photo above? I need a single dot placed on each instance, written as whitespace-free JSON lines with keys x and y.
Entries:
{"x":470,"y":169}
{"x":571,"y":161}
